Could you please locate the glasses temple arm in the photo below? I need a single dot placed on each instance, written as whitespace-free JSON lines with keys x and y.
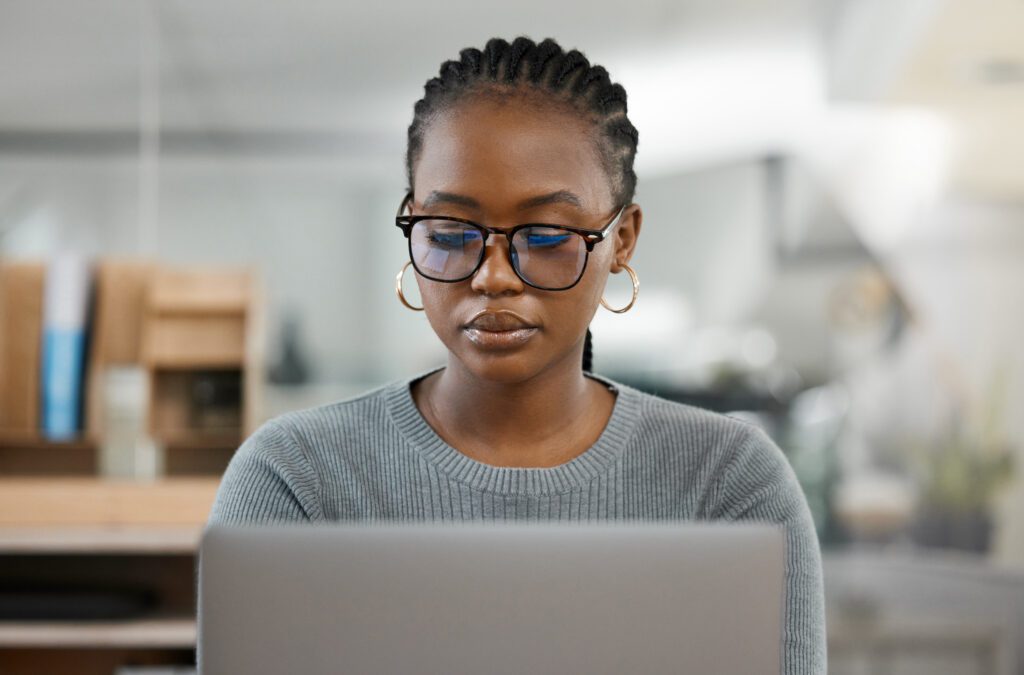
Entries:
{"x":405,"y":202}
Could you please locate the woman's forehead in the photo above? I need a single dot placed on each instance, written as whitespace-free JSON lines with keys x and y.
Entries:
{"x":512,"y":150}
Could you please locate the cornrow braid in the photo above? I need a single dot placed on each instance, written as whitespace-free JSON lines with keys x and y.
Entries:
{"x":527,"y":68}
{"x":545,"y":68}
{"x":588,"y":352}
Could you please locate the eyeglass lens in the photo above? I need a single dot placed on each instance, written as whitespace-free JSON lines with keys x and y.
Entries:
{"x":548,"y":257}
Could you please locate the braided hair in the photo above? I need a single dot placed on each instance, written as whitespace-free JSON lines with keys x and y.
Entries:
{"x":542,"y":73}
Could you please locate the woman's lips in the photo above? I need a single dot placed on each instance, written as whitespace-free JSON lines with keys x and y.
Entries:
{"x":499,"y":330}
{"x":499,"y":339}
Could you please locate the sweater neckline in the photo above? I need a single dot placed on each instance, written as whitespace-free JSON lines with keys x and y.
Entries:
{"x":579,"y":471}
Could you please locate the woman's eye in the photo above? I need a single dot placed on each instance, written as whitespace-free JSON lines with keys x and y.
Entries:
{"x":455,"y":239}
{"x":547,"y":239}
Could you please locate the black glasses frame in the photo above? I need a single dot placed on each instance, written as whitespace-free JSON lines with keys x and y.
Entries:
{"x":590,"y":239}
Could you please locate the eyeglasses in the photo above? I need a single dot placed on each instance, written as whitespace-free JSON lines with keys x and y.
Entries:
{"x":548,"y":257}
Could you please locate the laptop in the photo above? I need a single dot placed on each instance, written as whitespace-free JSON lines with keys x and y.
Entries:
{"x":693,"y":597}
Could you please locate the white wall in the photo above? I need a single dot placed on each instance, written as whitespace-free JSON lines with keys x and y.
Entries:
{"x":322,"y":235}
{"x":309,"y":230}
{"x":964,"y":273}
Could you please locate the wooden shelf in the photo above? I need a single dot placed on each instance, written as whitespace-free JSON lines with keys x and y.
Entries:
{"x":28,"y":454}
{"x":167,"y":632}
{"x":189,"y":452}
{"x":189,"y":438}
{"x":94,"y":502}
{"x":191,"y":364}
{"x":103,"y":533}
{"x":151,"y":540}
{"x":32,"y":441}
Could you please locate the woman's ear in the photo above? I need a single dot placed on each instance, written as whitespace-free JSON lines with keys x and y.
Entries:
{"x":626,"y":235}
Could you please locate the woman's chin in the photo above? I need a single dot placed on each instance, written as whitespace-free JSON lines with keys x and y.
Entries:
{"x":499,"y":367}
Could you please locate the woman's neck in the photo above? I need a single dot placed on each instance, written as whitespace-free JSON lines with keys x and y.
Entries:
{"x":541,"y":422}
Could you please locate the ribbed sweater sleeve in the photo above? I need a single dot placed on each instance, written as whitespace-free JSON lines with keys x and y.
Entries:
{"x":269,"y":479}
{"x":756,"y":482}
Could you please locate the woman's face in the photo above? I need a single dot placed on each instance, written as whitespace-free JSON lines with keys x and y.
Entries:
{"x":485,"y":161}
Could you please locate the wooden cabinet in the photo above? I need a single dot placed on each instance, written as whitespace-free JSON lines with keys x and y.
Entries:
{"x":114,"y":562}
{"x":201,"y":347}
{"x":196,"y":332}
{"x":97,"y":573}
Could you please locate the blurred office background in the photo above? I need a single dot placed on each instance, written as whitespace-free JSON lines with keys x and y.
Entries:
{"x":833,"y":244}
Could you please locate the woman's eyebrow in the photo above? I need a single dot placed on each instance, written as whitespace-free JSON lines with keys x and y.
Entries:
{"x":559,"y":196}
{"x":438,"y":197}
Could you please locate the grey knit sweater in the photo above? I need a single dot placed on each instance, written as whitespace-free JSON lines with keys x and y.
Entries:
{"x":375,"y":457}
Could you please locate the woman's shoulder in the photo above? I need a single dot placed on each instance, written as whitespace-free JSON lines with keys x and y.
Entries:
{"x":360,"y":422}
{"x":719,"y":443}
{"x":329,"y":424}
{"x":683,"y":423}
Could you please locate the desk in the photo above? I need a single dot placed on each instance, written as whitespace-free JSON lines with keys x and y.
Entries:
{"x":922,"y":612}
{"x":97,"y":533}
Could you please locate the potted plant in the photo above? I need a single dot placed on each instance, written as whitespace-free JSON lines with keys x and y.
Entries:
{"x":959,"y":478}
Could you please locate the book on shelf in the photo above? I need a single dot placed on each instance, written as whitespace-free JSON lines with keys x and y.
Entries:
{"x":82,"y":341}
{"x":65,"y":332}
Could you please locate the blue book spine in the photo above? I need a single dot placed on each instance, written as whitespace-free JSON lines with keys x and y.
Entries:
{"x":63,"y":367}
{"x":64,"y":343}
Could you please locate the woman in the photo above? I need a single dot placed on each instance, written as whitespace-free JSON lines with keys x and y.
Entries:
{"x":514,"y":426}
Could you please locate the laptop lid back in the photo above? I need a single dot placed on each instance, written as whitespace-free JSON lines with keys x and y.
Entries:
{"x":494,"y":598}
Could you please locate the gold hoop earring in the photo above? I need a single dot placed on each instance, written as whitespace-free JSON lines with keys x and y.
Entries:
{"x":398,"y":288}
{"x":636,"y":291}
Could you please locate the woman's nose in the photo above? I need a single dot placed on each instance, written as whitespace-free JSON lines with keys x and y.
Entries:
{"x":496,"y":276}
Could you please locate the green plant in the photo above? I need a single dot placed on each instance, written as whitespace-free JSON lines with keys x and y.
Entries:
{"x":965,"y":471}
